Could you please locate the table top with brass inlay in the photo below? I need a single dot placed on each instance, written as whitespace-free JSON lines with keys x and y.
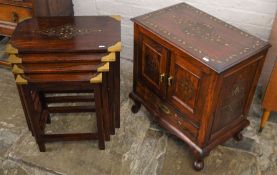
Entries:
{"x":68,"y":34}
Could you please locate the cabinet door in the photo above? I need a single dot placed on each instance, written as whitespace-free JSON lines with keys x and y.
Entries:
{"x":186,"y":86}
{"x":152,"y":65}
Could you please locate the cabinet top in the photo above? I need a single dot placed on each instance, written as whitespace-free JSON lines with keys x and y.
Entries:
{"x":208,"y":39}
{"x":67,"y":34}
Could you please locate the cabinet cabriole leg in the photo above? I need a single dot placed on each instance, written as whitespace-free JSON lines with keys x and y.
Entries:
{"x":136,"y":107}
{"x":238,"y":136}
{"x":198,"y":165}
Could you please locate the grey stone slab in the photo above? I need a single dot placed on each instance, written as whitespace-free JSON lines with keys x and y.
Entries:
{"x":10,"y":167}
{"x":266,"y":142}
{"x":133,"y":129}
{"x":3,"y":42}
{"x":65,"y":157}
{"x":148,"y":157}
{"x":247,"y":144}
{"x":12,"y":119}
{"x":85,"y":156}
{"x":72,"y":123}
{"x":126,"y":79}
{"x":221,"y":161}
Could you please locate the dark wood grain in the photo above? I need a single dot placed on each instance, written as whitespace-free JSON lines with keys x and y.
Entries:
{"x":61,"y":58}
{"x":66,"y":34}
{"x":64,"y":99}
{"x":25,"y":3}
{"x":204,"y":102}
{"x":47,"y":68}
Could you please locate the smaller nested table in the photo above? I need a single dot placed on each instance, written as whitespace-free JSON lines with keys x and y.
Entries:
{"x":68,"y":55}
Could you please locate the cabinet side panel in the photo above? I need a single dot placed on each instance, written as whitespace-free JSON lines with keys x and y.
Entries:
{"x":233,"y":96}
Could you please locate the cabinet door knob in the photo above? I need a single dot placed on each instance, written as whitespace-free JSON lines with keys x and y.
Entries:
{"x":162,"y":77}
{"x":15,"y":17}
{"x":170,"y":80}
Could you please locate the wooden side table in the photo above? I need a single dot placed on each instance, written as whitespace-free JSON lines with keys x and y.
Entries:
{"x":68,"y":55}
{"x":270,"y":98}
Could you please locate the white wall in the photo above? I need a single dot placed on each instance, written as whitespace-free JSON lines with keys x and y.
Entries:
{"x":254,"y":16}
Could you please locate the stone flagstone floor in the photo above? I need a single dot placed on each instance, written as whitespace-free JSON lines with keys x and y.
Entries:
{"x":140,"y":147}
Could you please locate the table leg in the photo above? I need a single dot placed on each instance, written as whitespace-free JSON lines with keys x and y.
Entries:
{"x":117,"y":90}
{"x":99,"y":116}
{"x":264,"y":119}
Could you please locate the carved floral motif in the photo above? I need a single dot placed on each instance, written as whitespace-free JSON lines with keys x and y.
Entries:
{"x":152,"y":67}
{"x":186,"y":86}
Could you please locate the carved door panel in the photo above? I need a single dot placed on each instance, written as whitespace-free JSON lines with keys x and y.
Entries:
{"x":152,"y":65}
{"x":186,"y":87}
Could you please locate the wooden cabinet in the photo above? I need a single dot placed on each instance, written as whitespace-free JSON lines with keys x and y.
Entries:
{"x":15,"y":11}
{"x":194,"y":77}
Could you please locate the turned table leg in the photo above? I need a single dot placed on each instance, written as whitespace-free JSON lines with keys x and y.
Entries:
{"x":264,"y":119}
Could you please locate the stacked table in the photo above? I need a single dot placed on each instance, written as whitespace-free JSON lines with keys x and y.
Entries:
{"x":64,"y":60}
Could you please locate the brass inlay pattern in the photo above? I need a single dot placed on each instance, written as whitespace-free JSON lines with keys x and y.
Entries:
{"x":202,"y":30}
{"x":67,"y":31}
{"x":238,"y":89}
{"x":96,"y":79}
{"x":20,"y":80}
